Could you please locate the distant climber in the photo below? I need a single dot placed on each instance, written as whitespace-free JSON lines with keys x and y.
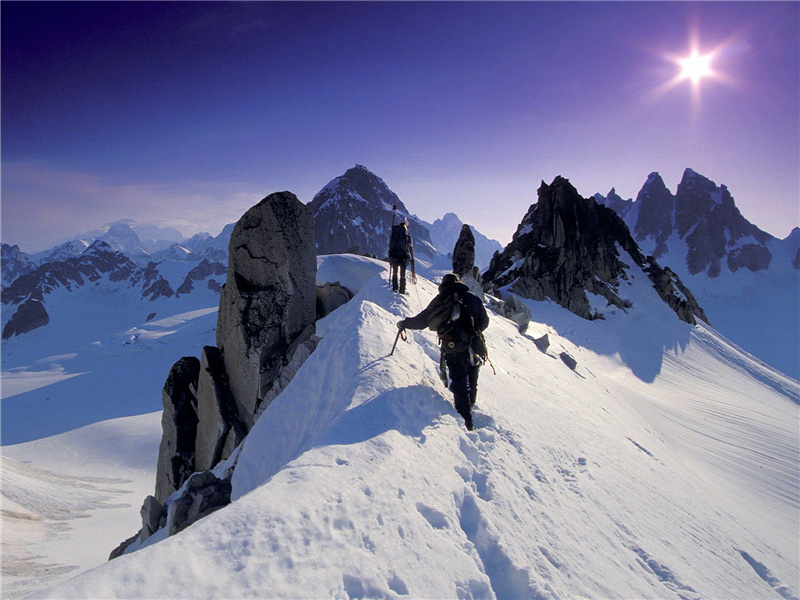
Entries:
{"x":459,"y":318}
{"x":401,"y":249}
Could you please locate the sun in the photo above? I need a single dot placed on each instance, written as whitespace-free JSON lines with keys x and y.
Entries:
{"x":696,"y":66}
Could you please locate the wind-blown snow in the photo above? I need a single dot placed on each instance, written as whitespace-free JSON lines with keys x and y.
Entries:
{"x":664,"y":466}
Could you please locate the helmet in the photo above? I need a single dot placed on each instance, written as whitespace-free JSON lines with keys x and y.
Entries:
{"x":449,"y":279}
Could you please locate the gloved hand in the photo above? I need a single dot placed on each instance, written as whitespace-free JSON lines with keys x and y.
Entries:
{"x":400,"y":324}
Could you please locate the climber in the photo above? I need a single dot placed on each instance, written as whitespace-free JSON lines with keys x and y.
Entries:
{"x":459,"y":318}
{"x":401,"y":248}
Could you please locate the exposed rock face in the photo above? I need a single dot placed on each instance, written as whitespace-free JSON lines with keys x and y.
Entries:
{"x":153,"y":283}
{"x":176,"y":455}
{"x":265,"y":332}
{"x":656,"y":213}
{"x":353,"y":213}
{"x":219,"y":428}
{"x":330,"y":297}
{"x":30,"y":315}
{"x":749,"y":256}
{"x":566,"y":246}
{"x":701,"y":214}
{"x":673,"y":292}
{"x":205,"y":493}
{"x":464,"y":252}
{"x":268,"y":303}
{"x":205,"y":269}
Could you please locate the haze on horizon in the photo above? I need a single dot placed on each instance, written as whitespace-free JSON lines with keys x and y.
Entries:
{"x":188,"y":113}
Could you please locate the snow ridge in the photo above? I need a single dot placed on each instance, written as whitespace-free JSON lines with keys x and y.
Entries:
{"x":359,"y":480}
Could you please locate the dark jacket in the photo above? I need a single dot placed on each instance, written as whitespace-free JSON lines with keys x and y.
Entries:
{"x":434,"y":315}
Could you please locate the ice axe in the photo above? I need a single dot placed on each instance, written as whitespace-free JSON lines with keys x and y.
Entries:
{"x":401,"y":333}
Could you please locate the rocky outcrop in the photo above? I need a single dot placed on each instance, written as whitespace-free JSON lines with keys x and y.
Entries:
{"x":464,"y":252}
{"x":567,"y":246}
{"x":219,"y":429}
{"x":353,"y":214}
{"x":542,"y":343}
{"x":204,"y":494}
{"x":176,"y":454}
{"x":331,"y":296}
{"x":268,"y":303}
{"x":568,"y":360}
{"x":512,"y":308}
{"x":673,"y":292}
{"x":265,"y":327}
{"x":30,"y":315}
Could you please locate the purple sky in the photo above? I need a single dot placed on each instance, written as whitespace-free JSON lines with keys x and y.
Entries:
{"x":189,"y":113}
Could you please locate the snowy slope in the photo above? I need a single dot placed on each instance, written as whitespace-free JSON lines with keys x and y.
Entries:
{"x":665,"y":465}
{"x":746,"y":280}
{"x":66,"y":498}
{"x":98,"y":358}
{"x":760,"y":310}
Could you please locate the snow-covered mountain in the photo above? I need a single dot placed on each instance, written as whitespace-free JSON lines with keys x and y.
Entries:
{"x":746,"y":279}
{"x":149,"y":236}
{"x":104,"y":274}
{"x":14,"y":263}
{"x":445,"y":232}
{"x":579,"y":254}
{"x":353,"y":213}
{"x":360,"y":481}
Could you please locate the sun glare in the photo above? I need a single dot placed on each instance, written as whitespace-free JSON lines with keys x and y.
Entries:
{"x":696,"y":66}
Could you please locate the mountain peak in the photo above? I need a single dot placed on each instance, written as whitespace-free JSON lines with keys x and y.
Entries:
{"x":568,"y":246}
{"x":654,"y":180}
{"x":692,"y":179}
{"x":354,"y":212}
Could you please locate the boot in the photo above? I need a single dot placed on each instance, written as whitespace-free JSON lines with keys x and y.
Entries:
{"x":403,"y":285}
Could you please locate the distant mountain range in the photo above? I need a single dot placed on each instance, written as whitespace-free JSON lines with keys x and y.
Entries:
{"x":353,"y":213}
{"x":747,"y":280}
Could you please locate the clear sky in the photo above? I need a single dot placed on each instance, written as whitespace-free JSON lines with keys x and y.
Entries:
{"x":189,"y":113}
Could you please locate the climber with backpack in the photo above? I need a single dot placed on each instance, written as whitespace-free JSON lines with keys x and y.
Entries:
{"x":401,"y":248}
{"x":459,"y":318}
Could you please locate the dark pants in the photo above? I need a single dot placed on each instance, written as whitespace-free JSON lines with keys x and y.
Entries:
{"x":464,"y":385}
{"x":399,"y":265}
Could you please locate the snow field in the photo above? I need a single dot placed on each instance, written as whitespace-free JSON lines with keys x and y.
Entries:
{"x":613,"y":480}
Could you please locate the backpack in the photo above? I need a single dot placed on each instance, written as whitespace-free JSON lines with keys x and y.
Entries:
{"x":457,"y":333}
{"x":398,"y":242}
